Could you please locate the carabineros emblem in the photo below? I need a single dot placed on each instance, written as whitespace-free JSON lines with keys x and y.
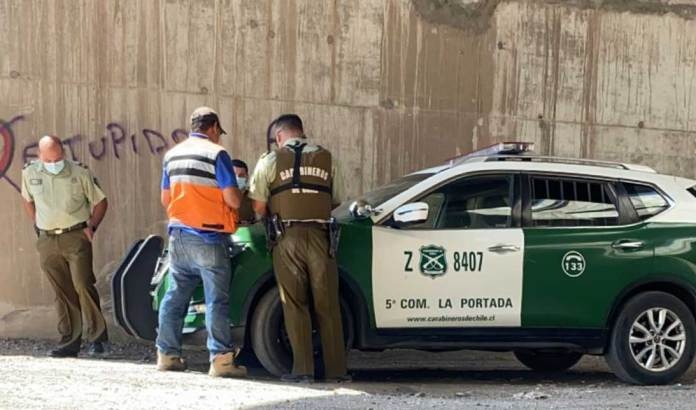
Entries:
{"x":433,"y":260}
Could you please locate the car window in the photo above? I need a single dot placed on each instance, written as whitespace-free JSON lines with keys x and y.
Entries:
{"x":571,"y":202}
{"x":481,"y":202}
{"x":646,"y":200}
{"x":435,"y":202}
{"x":384,"y":193}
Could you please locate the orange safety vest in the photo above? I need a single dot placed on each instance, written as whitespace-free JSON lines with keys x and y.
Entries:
{"x":196,"y":199}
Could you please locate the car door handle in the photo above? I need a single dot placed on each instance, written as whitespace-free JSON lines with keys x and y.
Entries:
{"x":628,"y":244}
{"x":504,"y":248}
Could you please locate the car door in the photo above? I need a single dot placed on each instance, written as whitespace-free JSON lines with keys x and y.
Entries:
{"x":584,"y":243}
{"x":462,"y":267}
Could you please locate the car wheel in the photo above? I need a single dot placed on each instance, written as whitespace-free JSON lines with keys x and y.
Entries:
{"x":548,"y":361}
{"x":270,"y":341}
{"x":652,"y":341}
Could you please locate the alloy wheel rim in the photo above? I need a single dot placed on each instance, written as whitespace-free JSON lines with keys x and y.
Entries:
{"x":657,"y":339}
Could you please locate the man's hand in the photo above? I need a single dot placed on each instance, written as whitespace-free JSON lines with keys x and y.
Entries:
{"x":232,"y":197}
{"x":165,"y":198}
{"x":89,"y":233}
{"x":260,"y":208}
{"x":98,"y":214}
{"x":30,"y":209}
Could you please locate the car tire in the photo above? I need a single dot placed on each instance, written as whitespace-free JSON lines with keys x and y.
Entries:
{"x":634,"y":355}
{"x":548,"y":361}
{"x":266,"y":334}
{"x":268,"y":338}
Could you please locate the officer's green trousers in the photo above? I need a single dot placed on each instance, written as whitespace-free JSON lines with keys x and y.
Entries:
{"x":67,"y":261}
{"x":306,"y":274}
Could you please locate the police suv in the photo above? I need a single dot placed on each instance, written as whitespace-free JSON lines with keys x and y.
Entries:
{"x":503,"y":250}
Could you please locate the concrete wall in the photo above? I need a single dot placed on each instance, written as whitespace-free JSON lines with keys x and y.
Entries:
{"x":388,"y":85}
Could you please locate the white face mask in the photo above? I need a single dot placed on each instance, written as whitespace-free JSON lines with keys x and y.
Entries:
{"x":242,"y":183}
{"x":54,"y":167}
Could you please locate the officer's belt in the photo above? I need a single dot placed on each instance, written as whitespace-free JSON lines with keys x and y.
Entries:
{"x":81,"y":225}
{"x":292,"y":185}
{"x":309,"y":222}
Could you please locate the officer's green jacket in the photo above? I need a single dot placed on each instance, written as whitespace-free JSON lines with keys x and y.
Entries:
{"x":265,"y":173}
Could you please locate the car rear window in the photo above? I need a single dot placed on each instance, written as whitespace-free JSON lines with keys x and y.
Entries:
{"x":562,"y":202}
{"x":646,"y":200}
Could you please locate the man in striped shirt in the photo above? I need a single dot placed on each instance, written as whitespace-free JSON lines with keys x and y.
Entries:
{"x":201,"y":196}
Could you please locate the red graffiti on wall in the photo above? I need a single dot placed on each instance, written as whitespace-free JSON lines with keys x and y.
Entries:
{"x":115,"y":142}
{"x":7,"y":146}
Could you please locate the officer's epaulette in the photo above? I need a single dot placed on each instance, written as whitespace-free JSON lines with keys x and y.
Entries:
{"x":80,"y":164}
{"x":30,"y":163}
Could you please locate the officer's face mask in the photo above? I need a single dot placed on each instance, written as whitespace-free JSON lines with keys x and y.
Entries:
{"x":54,"y":167}
{"x":242,"y":183}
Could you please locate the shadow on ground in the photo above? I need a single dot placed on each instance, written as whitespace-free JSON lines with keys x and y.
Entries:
{"x":372,"y":370}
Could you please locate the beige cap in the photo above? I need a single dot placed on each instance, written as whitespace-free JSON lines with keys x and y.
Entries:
{"x":205,"y":115}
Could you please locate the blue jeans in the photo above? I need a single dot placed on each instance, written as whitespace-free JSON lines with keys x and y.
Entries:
{"x":192,"y":260}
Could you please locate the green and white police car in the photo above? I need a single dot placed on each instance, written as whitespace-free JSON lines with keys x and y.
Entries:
{"x":502,"y":250}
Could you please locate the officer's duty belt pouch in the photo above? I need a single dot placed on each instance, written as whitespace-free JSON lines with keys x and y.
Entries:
{"x":334,"y":237}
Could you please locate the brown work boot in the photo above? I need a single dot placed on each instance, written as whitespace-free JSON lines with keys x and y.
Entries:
{"x":170,"y":363}
{"x":223,"y":366}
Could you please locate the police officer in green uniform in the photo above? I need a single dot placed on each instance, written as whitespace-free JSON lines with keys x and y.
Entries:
{"x":67,"y":205}
{"x":293,"y":186}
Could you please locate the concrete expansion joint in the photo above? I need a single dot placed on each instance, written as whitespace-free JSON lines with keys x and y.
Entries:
{"x":683,"y":8}
{"x":475,"y":15}
{"x":469,"y":15}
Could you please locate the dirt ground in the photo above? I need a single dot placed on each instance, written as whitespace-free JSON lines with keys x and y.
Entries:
{"x":402,"y":379}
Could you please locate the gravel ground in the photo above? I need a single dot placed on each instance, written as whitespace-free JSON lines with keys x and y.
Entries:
{"x":402,"y":379}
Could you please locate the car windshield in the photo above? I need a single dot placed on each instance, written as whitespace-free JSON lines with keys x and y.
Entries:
{"x":383,"y":193}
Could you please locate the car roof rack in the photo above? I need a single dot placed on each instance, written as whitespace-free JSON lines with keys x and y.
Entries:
{"x":501,"y":148}
{"x":571,"y":161}
{"x":524,"y":151}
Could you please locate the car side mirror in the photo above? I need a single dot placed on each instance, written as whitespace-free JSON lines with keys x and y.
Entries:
{"x":413,"y":213}
{"x":361,"y":209}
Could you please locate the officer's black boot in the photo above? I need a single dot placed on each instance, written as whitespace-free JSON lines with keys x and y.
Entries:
{"x":63,"y":352}
{"x":296,"y":378}
{"x":96,"y":349}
